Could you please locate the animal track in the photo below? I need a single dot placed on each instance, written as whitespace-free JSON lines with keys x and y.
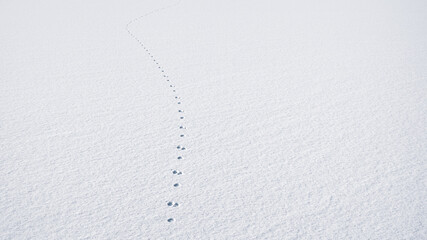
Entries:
{"x":171,"y":85}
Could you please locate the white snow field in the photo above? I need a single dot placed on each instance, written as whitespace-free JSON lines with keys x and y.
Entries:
{"x":300,"y":119}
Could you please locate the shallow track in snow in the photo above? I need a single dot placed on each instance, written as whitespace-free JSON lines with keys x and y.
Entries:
{"x":171,"y":86}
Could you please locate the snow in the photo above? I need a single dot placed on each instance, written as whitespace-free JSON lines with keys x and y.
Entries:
{"x":299,"y":119}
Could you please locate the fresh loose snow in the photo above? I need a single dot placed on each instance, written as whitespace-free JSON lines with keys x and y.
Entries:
{"x":213,"y":119}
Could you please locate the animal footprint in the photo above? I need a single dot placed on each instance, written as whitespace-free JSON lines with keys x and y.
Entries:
{"x":173,"y":204}
{"x":179,"y":147}
{"x":176,"y":172}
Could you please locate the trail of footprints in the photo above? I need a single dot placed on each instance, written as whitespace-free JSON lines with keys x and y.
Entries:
{"x":175,"y":173}
{"x":182,"y":128}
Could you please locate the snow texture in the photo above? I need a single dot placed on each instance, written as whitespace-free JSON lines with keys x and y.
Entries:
{"x":253,"y":119}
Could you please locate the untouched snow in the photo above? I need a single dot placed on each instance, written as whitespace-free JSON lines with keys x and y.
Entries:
{"x":302,"y":119}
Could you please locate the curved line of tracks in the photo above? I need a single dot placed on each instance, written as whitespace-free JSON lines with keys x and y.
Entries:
{"x":178,"y":100}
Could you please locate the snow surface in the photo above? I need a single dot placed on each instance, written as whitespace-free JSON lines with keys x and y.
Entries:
{"x":302,"y":119}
